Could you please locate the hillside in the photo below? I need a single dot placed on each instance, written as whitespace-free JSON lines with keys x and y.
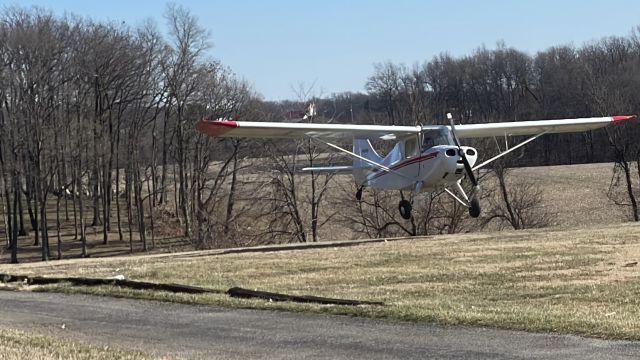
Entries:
{"x":575,"y":196}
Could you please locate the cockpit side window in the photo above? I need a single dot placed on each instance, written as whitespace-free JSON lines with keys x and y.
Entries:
{"x":410,"y":147}
{"x":429,"y":139}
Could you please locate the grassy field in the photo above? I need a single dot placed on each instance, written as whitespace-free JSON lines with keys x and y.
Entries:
{"x":19,"y":345}
{"x":577,"y":281}
{"x":578,"y":277}
{"x":576,"y":194}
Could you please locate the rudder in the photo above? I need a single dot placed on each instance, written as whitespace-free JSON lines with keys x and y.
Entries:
{"x":362,"y":147}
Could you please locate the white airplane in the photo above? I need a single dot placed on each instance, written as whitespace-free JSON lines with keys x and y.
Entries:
{"x":424,"y":158}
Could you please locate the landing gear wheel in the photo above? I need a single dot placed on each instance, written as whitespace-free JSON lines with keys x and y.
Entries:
{"x":474,"y":208}
{"x":405,"y":209}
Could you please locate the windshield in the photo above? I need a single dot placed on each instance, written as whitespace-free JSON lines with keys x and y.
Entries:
{"x":435,"y":137}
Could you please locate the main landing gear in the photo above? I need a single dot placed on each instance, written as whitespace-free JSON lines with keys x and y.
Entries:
{"x":474,"y":208}
{"x":405,"y":209}
{"x":405,"y":206}
{"x":473,"y":204}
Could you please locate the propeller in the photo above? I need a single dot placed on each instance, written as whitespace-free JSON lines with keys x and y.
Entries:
{"x":462,"y":154}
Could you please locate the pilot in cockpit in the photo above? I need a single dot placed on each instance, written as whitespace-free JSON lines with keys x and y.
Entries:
{"x":436,"y":137}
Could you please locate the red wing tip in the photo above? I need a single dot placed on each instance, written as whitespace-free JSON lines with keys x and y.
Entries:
{"x":623,"y":117}
{"x":220,"y":122}
{"x":215,"y":127}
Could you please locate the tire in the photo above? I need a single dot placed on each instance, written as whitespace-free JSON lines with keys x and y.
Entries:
{"x":405,"y":209}
{"x":474,"y":208}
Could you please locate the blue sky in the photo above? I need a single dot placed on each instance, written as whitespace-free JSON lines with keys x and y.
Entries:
{"x":332,"y":44}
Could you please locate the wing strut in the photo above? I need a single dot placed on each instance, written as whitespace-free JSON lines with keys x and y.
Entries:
{"x":462,"y":202}
{"x":510,"y":150}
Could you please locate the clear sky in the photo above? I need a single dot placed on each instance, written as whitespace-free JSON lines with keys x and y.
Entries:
{"x":276,"y":45}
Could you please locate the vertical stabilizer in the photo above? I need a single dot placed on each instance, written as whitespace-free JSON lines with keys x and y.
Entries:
{"x":362,"y":147}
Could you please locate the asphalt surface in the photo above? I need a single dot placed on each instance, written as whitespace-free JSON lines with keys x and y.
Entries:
{"x":205,"y":332}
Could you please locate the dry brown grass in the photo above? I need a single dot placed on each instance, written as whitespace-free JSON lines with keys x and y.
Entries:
{"x":576,"y":194}
{"x":20,"y":345}
{"x":566,"y":281}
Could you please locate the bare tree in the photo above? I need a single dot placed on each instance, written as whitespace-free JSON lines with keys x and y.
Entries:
{"x":386,"y":84}
{"x":514,"y":202}
{"x":189,"y":42}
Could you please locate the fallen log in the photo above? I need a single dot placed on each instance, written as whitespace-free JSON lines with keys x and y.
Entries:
{"x":132,"y":284}
{"x":13,"y":278}
{"x":178,"y":288}
{"x":248,"y":294}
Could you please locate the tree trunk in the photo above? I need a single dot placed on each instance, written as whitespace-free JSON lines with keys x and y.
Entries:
{"x":83,"y":235}
{"x":175,"y":193}
{"x":22,"y":231}
{"x":165,"y":151}
{"x":154,"y":179}
{"x":500,"y":174}
{"x":59,"y":237}
{"x":74,"y":190}
{"x":33,"y":209}
{"x":118,"y":215}
{"x":95,"y":176}
{"x":14,"y":237}
{"x":632,"y":197}
{"x":127,"y":190}
{"x":137,"y":185}
{"x":150,"y":201}
{"x":232,"y":188}
{"x":46,"y":253}
{"x":6,"y":201}
{"x":183,"y":189}
{"x":6,"y":210}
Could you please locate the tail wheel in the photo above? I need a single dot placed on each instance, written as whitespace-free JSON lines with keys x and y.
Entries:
{"x":405,"y":209}
{"x":474,"y":208}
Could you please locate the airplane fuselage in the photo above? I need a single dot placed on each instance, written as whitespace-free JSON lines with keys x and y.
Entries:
{"x":436,"y":167}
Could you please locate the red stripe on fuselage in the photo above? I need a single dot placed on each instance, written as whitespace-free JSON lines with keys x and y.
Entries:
{"x":404,"y":163}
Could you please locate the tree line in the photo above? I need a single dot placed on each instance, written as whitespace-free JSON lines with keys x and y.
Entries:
{"x":96,"y":130}
{"x":99,"y":117}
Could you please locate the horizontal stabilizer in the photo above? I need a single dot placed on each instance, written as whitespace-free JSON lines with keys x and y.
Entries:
{"x":332,"y":169}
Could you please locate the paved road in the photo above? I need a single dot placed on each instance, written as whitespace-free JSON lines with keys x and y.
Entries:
{"x":204,"y":332}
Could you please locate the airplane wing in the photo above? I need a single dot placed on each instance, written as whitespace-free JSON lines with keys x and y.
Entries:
{"x":537,"y":127}
{"x":227,"y":128}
